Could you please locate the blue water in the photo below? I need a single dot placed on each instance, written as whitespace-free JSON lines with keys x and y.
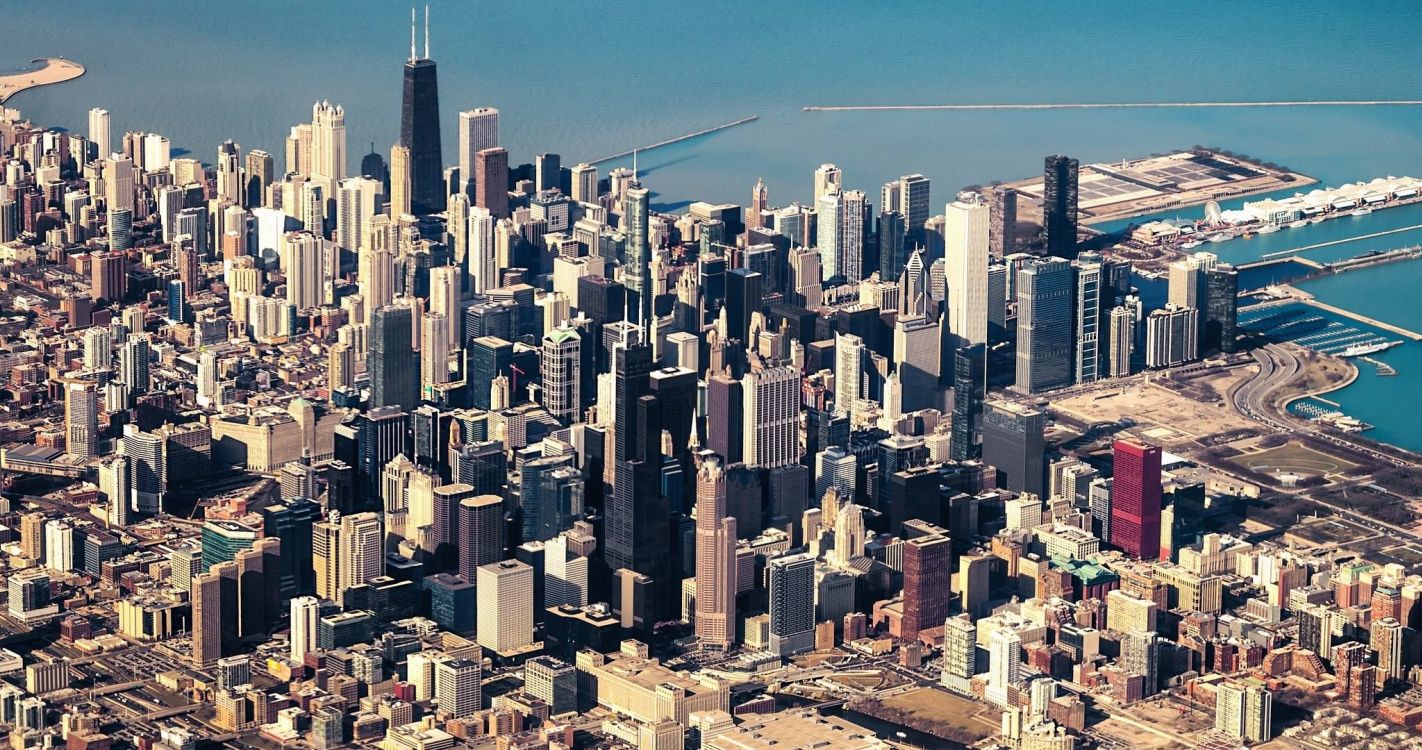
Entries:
{"x":589,"y":79}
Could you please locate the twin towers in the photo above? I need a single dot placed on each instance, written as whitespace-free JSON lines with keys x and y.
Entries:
{"x":419,"y":126}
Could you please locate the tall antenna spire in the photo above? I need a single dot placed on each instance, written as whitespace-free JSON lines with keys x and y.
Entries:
{"x":412,"y":34}
{"x":427,"y":31}
{"x":634,"y":165}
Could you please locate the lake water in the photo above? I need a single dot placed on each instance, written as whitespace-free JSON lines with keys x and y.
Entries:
{"x":589,"y":79}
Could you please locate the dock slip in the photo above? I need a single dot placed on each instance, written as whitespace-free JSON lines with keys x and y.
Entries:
{"x":677,"y":139}
{"x":1311,"y":300}
{"x":1117,"y":105}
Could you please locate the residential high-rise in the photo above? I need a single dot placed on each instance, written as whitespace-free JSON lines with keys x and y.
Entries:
{"x":1045,"y":325}
{"x":1004,"y":665}
{"x":1136,"y":499}
{"x":969,"y":391}
{"x":715,"y":560}
{"x":362,"y":549}
{"x":1059,"y":203}
{"x":771,"y":426}
{"x":491,"y":181}
{"x":959,"y":653}
{"x":1170,"y":336}
{"x":1244,"y":711}
{"x":1013,"y":444}
{"x":444,"y":300}
{"x":206,"y":618}
{"x":434,"y":352}
{"x":394,"y":369}
{"x":81,"y":419}
{"x":259,"y":174}
{"x":480,"y":533}
{"x":328,"y":145}
{"x":229,"y":174}
{"x":305,"y":612}
{"x":1140,"y":655}
{"x":478,"y":130}
{"x":505,"y":613}
{"x":636,"y":273}
{"x":840,"y":234}
{"x":458,"y":686}
{"x":560,"y":367}
{"x":357,"y":203}
{"x":99,"y":133}
{"x":419,"y":127}
{"x":1089,"y":297}
{"x":1002,"y":222}
{"x":585,"y":183}
{"x":401,"y":186}
{"x":792,"y":604}
{"x":1221,"y":309}
{"x":1386,"y":639}
{"x":1122,"y":339}
{"x":305,"y":272}
{"x":827,"y":180}
{"x":326,"y":558}
{"x":928,"y":570}
{"x":965,"y":230}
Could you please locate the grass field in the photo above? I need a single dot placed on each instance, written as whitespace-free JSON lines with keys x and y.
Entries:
{"x":1292,"y":458}
{"x":940,"y":707}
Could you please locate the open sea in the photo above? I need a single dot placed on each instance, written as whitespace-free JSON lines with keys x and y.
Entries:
{"x":587,"y":79}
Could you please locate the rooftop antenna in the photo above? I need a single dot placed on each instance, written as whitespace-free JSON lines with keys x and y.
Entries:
{"x":634,"y":165}
{"x":427,"y":31}
{"x":412,"y":34}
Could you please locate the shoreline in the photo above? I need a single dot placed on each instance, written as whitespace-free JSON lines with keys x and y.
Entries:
{"x":54,"y":70}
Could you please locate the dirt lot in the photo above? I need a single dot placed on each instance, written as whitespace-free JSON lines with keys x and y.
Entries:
{"x":1161,"y":414}
{"x":944,"y":714}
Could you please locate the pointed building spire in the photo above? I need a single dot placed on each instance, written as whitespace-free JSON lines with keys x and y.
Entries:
{"x":427,"y":31}
{"x":412,"y":34}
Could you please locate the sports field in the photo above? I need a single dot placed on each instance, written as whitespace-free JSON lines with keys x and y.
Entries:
{"x":1292,"y":458}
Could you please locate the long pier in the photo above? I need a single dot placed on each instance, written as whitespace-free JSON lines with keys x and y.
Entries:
{"x":678,"y":139}
{"x":1344,"y":241}
{"x":1309,"y":299}
{"x":1115,"y":105}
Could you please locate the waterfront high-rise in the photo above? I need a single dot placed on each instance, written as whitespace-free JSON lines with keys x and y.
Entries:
{"x":1121,"y":340}
{"x":1136,"y":499}
{"x":478,"y":130}
{"x":99,"y":133}
{"x":965,"y":230}
{"x":259,"y":174}
{"x":419,"y":127}
{"x":229,"y":175}
{"x":637,"y":273}
{"x":1059,"y":205}
{"x":1221,"y":309}
{"x":584,"y":183}
{"x":715,"y":560}
{"x":328,"y":145}
{"x":1002,"y":224}
{"x":491,"y":178}
{"x":1044,"y":325}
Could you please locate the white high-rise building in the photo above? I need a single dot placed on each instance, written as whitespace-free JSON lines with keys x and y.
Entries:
{"x":827,"y":180}
{"x":561,"y":370}
{"x":208,"y":378}
{"x":357,"y":202}
{"x":715,"y":560}
{"x":483,"y":252}
{"x":444,"y":299}
{"x":585,"y":183}
{"x":305,"y":613}
{"x":457,"y":686}
{"x":505,"y":613}
{"x":834,"y":467}
{"x":1004,"y":665}
{"x":118,"y":183}
{"x":840,"y":234}
{"x":99,"y":132}
{"x":434,"y":351}
{"x":229,"y":173}
{"x":849,"y":534}
{"x":98,"y":348}
{"x":771,"y":416}
{"x":362,"y":549}
{"x":848,"y":372}
{"x":328,"y":145}
{"x":81,"y":419}
{"x":375,"y":273}
{"x":59,"y":545}
{"x":965,"y":229}
{"x":565,"y":575}
{"x":157,"y":153}
{"x":305,"y":277}
{"x":478,"y":130}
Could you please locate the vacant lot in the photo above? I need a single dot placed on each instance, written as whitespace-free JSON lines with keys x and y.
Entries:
{"x":937,"y":712}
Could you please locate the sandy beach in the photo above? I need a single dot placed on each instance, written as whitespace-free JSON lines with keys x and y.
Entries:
{"x":53,"y":70}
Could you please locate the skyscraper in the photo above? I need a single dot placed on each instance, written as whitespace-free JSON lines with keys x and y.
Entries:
{"x":965,"y":230}
{"x":771,"y":426}
{"x":362,"y":549}
{"x":585,"y":183}
{"x":1002,"y":224}
{"x":481,"y":533}
{"x":207,"y":618}
{"x":715,"y":560}
{"x":1136,"y":499}
{"x":1044,"y":325}
{"x":928,"y":568}
{"x":969,"y":390}
{"x":505,"y":612}
{"x":99,"y":133}
{"x":229,"y":174}
{"x":419,"y":126}
{"x":478,"y":130}
{"x":394,"y":369}
{"x":305,"y":612}
{"x":1090,"y":294}
{"x":328,"y":145}
{"x":491,"y":181}
{"x":1059,"y":205}
{"x":1013,"y":444}
{"x":792,"y":604}
{"x":81,"y":419}
{"x":560,"y":367}
{"x":1221,"y":308}
{"x":1004,"y":664}
{"x":260,"y":173}
{"x":637,"y":273}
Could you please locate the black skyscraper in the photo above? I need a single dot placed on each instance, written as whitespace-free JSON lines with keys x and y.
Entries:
{"x":419,"y":129}
{"x":1221,"y":308}
{"x":394,"y":367}
{"x":969,"y":388}
{"x":1059,"y":205}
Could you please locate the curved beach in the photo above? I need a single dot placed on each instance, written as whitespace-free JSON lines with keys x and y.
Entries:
{"x":53,"y":70}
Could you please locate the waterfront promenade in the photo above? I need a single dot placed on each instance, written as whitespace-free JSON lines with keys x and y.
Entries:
{"x":53,"y":70}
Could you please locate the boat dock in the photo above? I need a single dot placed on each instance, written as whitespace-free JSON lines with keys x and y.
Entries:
{"x":1308,"y":299}
{"x":678,"y":139}
{"x":1330,"y":243}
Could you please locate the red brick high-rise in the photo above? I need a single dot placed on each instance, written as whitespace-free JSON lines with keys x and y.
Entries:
{"x":928,"y":568}
{"x":1135,"y":499}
